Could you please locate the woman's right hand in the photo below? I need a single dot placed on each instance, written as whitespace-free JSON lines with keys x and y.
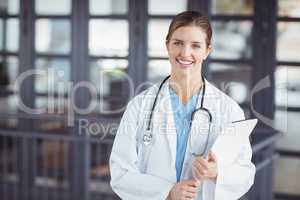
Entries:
{"x":184,"y":190}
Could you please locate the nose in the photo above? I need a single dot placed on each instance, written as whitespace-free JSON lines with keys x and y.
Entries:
{"x":185,"y":51}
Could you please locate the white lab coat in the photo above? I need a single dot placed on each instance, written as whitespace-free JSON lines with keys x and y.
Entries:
{"x":140,"y":172}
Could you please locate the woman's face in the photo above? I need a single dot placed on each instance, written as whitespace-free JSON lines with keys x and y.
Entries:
{"x":187,"y":49}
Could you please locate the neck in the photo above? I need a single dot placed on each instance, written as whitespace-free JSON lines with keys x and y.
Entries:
{"x":185,"y":87}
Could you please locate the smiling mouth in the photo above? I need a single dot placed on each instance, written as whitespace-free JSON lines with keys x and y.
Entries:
{"x":184,"y":62}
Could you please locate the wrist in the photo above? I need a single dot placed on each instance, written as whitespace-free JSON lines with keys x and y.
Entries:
{"x":214,"y":179}
{"x":169,"y":196}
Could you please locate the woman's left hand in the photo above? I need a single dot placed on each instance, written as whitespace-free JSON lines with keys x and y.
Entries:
{"x":205,"y":168}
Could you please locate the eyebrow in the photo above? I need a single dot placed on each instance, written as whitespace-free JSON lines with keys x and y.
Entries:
{"x":195,"y":42}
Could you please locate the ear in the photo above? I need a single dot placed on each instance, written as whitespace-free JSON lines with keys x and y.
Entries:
{"x":208,"y":50}
{"x":167,"y":45}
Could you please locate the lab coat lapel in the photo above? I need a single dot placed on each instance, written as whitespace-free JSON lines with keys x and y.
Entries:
{"x":212,"y":102}
{"x":169,"y":129}
{"x":197,"y":127}
{"x":186,"y":171}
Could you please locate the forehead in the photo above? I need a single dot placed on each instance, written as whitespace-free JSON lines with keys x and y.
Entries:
{"x":189,"y":33}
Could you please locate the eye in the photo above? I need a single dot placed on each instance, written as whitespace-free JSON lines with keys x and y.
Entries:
{"x":176,"y":43}
{"x":196,"y":46}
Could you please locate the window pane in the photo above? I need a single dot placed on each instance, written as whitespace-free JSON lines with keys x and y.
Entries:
{"x":12,"y":35}
{"x":158,"y":70}
{"x":53,"y":75}
{"x":53,"y":36}
{"x":234,"y":80}
{"x":289,"y":8}
{"x":1,"y":35}
{"x":288,"y":86}
{"x":8,"y":123}
{"x":287,"y":122}
{"x":167,"y":7}
{"x":287,"y":94}
{"x":52,"y":161}
{"x":11,"y":7}
{"x":109,"y":77}
{"x":108,"y":7}
{"x":51,"y":105}
{"x":157,"y":32}
{"x":239,"y":35}
{"x":288,"y":43}
{"x":8,"y":104}
{"x":8,"y":73}
{"x":232,"y":7}
{"x":105,"y":71}
{"x":100,"y":157}
{"x":111,"y":42}
{"x":286,"y":178}
{"x":53,"y":7}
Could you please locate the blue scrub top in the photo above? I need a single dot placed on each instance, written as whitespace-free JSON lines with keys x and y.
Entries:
{"x":182,"y":118}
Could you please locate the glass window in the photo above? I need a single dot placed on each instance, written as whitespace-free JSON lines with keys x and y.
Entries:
{"x":9,"y":104}
{"x":99,"y":157}
{"x":104,"y":72}
{"x":53,"y":75}
{"x":108,"y":7}
{"x":53,"y":7}
{"x":51,"y":105}
{"x":9,"y":123}
{"x":109,"y":76}
{"x":113,"y":106}
{"x":111,"y":42}
{"x":287,"y":122}
{"x":10,"y":7}
{"x":289,"y":8}
{"x":8,"y":73}
{"x":157,"y":32}
{"x":1,"y":35}
{"x":12,"y":35}
{"x":288,"y":43}
{"x":232,"y":7}
{"x":287,"y":86}
{"x":167,"y":7}
{"x":235,"y":80}
{"x":286,"y":178}
{"x":239,"y":35}
{"x":53,"y":36}
{"x":158,"y":70}
{"x":52,"y":157}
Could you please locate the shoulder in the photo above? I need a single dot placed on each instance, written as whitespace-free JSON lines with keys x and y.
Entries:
{"x":142,"y":99}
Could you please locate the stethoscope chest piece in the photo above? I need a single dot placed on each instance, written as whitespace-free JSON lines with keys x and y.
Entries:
{"x":148,"y":137}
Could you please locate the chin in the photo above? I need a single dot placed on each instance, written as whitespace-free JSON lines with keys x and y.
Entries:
{"x":185,"y":71}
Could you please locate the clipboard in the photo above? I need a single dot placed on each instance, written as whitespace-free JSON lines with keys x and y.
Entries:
{"x":228,"y":144}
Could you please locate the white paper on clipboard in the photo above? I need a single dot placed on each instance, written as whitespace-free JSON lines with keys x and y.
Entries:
{"x":229,"y":143}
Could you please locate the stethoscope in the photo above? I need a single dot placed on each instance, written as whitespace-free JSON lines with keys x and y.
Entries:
{"x":205,"y":114}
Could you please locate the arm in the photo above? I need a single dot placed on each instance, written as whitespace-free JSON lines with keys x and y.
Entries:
{"x":126,"y":179}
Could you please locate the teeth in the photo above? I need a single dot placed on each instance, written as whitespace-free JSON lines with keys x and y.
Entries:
{"x":184,"y":62}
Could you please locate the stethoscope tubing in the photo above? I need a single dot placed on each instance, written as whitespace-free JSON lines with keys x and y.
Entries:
{"x":148,"y":137}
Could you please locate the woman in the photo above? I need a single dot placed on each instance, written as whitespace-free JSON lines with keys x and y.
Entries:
{"x":156,"y":153}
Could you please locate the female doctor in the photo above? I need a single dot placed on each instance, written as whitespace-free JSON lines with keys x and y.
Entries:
{"x":162,"y":149}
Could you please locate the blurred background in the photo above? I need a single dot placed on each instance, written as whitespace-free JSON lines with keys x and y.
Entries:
{"x":70,"y":41}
